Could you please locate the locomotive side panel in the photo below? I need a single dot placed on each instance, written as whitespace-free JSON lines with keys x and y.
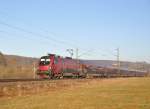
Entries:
{"x":70,"y":67}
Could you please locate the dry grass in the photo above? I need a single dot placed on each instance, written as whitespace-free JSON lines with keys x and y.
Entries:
{"x":126,"y":93}
{"x":16,"y":72}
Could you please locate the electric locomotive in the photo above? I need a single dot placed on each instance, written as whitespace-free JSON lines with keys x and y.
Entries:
{"x":53,"y":66}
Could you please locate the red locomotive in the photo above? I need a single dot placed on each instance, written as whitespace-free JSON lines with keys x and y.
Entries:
{"x":53,"y":66}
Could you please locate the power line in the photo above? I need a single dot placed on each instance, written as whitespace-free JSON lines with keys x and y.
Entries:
{"x":44,"y":42}
{"x":62,"y":41}
{"x":85,"y":53}
{"x":35,"y":34}
{"x":26,"y":37}
{"x":39,"y":35}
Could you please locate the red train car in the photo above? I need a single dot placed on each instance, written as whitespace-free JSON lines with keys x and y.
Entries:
{"x":53,"y":66}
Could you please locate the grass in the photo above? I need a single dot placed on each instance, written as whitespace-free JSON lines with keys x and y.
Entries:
{"x":121,"y":93}
{"x":14,"y":72}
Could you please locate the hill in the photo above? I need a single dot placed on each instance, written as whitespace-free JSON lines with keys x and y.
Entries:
{"x":12,"y":66}
{"x":20,"y":60}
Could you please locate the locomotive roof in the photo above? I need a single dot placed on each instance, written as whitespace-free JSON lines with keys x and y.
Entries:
{"x":45,"y":57}
{"x":68,"y":58}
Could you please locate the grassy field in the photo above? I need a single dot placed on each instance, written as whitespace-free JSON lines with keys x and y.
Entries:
{"x":121,"y":93}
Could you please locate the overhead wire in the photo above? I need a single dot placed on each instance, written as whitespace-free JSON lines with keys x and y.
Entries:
{"x":39,"y":35}
{"x":36,"y":34}
{"x":48,"y":38}
{"x":58,"y":41}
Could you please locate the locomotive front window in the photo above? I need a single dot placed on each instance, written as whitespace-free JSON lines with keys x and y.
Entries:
{"x":44,"y":61}
{"x":47,"y":60}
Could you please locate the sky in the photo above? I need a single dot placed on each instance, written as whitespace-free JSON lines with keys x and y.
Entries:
{"x":96,"y":27}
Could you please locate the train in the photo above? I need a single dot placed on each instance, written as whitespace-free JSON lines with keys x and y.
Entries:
{"x":53,"y":66}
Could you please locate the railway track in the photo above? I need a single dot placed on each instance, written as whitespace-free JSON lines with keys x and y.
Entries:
{"x":21,"y":80}
{"x":30,"y":80}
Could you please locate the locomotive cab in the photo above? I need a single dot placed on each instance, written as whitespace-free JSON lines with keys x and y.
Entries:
{"x":44,"y":69}
{"x":44,"y":63}
{"x":50,"y":67}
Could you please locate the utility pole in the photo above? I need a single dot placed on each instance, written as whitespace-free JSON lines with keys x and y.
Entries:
{"x":118,"y":60}
{"x":77,"y":50}
{"x":34,"y":70}
{"x":77,"y":60}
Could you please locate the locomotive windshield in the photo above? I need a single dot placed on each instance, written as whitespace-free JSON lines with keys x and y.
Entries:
{"x":45,"y":60}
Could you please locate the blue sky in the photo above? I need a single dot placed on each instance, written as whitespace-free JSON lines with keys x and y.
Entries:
{"x":98,"y":26}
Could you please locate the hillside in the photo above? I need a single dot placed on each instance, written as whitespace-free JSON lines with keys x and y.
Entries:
{"x":12,"y":66}
{"x":20,"y":60}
